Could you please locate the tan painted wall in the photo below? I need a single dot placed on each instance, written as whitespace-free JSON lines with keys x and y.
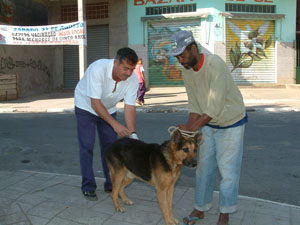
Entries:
{"x":220,"y":49}
{"x":286,"y":65}
{"x":142,"y":52}
{"x":118,"y":26}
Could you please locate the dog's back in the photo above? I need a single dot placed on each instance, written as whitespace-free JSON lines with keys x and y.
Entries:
{"x":137,"y":156}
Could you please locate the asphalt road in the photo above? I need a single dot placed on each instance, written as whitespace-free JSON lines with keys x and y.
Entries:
{"x":47,"y":142}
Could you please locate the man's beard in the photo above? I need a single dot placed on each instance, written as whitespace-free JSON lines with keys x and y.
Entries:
{"x":190,"y":64}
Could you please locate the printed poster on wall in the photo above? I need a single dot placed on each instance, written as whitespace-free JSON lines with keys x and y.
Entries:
{"x":60,"y":34}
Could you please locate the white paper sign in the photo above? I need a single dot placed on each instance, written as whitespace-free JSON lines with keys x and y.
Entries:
{"x":60,"y":34}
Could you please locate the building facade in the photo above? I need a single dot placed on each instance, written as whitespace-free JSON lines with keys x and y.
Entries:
{"x":43,"y":68}
{"x":33,"y":68}
{"x":107,"y":31}
{"x":256,"y":38}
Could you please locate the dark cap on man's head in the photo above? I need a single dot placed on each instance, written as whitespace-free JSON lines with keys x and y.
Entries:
{"x":179,"y":41}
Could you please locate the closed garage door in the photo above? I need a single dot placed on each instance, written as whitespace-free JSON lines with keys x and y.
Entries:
{"x":163,"y":70}
{"x":250,"y":50}
{"x":97,"y":48}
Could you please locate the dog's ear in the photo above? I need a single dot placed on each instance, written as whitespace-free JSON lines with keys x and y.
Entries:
{"x":176,"y":136}
{"x":198,"y":138}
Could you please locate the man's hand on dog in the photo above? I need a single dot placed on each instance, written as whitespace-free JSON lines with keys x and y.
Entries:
{"x":121,"y":130}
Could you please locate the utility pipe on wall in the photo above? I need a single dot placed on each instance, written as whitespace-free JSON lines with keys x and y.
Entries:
{"x":82,"y":48}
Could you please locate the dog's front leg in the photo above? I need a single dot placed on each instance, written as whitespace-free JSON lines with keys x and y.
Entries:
{"x":163,"y":203}
{"x":170,"y":194}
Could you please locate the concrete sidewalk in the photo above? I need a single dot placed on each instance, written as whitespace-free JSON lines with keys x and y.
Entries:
{"x":164,"y":99}
{"x":31,"y":198}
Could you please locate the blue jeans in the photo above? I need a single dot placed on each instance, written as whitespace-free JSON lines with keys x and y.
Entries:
{"x":222,"y":149}
{"x":86,"y":129}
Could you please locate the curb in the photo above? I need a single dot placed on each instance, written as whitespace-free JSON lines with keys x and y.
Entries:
{"x":273,"y":109}
{"x":57,"y":110}
{"x":8,"y":110}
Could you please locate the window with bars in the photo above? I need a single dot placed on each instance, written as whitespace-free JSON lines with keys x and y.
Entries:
{"x":170,"y":9}
{"x":69,"y":13}
{"x":250,"y":8}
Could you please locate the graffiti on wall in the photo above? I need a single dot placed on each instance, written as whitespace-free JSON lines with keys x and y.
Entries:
{"x":6,"y":11}
{"x":249,"y":43}
{"x":159,"y":45}
{"x":163,"y":68}
{"x":8,"y":63}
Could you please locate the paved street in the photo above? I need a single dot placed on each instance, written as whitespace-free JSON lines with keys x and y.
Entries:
{"x":46,"y":142}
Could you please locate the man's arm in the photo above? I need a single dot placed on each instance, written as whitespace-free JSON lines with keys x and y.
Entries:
{"x":130,"y":117}
{"x":100,"y":109}
{"x":195,"y":122}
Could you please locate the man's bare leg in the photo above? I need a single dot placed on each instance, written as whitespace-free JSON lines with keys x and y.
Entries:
{"x":223,"y":219}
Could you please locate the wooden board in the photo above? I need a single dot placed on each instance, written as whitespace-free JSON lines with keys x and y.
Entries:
{"x":8,"y":87}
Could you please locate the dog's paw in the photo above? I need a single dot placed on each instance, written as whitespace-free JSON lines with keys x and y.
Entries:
{"x":120,"y":209}
{"x":128,"y":202}
{"x":170,"y":223}
{"x":176,"y":221}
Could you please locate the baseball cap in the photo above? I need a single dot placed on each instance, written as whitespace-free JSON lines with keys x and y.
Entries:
{"x":179,"y":41}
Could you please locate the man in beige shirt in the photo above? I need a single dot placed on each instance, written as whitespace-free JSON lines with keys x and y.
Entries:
{"x":216,"y":107}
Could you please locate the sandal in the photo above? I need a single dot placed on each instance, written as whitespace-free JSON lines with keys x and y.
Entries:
{"x":191,"y":219}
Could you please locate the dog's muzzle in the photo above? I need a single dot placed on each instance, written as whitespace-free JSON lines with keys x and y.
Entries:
{"x":190,"y":163}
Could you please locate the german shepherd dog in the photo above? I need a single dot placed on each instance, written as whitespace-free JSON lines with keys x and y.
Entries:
{"x":158,"y":165}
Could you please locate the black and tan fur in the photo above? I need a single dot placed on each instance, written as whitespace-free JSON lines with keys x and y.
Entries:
{"x":158,"y":165}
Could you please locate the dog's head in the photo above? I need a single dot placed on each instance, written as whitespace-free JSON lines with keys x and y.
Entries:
{"x":185,"y":148}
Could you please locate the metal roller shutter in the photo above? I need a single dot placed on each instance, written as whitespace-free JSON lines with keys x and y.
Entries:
{"x":98,"y":45}
{"x":250,"y":50}
{"x":163,"y":70}
{"x":97,"y":48}
{"x":71,"y":66}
